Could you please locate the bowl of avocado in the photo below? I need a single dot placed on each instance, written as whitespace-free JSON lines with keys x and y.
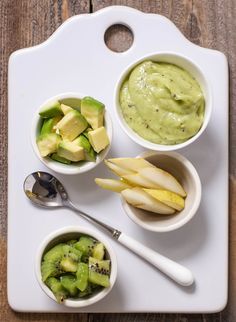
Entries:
{"x":71,"y":133}
{"x":75,"y":266}
{"x":163,"y":101}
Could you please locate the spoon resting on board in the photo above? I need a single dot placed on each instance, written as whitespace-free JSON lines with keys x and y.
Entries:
{"x":46,"y":191}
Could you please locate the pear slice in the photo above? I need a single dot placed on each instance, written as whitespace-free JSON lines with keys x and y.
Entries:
{"x":169,"y":198}
{"x":136,"y":180}
{"x":138,"y":198}
{"x":111,"y":184}
{"x":162,"y":179}
{"x":117,"y":170}
{"x":133,"y":164}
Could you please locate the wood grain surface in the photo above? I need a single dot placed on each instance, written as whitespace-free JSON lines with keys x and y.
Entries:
{"x":24,"y":23}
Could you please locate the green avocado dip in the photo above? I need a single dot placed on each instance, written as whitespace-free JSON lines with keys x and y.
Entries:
{"x":162,"y":103}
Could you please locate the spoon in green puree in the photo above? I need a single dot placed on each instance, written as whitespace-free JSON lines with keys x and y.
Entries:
{"x":46,"y":191}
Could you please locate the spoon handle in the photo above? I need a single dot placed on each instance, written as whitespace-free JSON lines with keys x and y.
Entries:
{"x":175,"y":271}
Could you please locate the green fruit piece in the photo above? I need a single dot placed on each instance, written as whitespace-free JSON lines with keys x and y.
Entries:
{"x":48,"y":124}
{"x":98,"y":139}
{"x":85,"y":245}
{"x":58,"y":290}
{"x":83,"y":142}
{"x":57,"y":158}
{"x":50,"y":269}
{"x":67,"y":264}
{"x":82,"y":276}
{"x":51,"y":110}
{"x":99,"y":272}
{"x":93,"y":111}
{"x":75,"y":103}
{"x":71,"y":242}
{"x":98,"y":251}
{"x":88,"y":291}
{"x":70,"y":151}
{"x":48,"y":143}
{"x":71,"y":125}
{"x":66,"y":109}
{"x":69,"y":283}
{"x":85,"y":133}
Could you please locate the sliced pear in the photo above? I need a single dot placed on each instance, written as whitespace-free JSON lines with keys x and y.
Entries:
{"x":117,"y":170}
{"x":169,"y":198}
{"x":162,"y":179}
{"x":136,"y":180}
{"x":133,"y":164}
{"x":111,"y":184}
{"x":138,"y":198}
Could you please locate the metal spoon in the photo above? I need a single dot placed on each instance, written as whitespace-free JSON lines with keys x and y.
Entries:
{"x":45,"y":190}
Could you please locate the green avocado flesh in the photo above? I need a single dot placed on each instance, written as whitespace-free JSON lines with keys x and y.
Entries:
{"x":70,"y":271}
{"x":162,"y":103}
{"x":63,"y":135}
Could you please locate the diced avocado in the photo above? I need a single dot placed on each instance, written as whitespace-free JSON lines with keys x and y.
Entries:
{"x":48,"y":143}
{"x":66,"y":109}
{"x":85,"y":133}
{"x":71,"y":125}
{"x":98,"y":139}
{"x":75,"y":103}
{"x":48,"y":124}
{"x":82,"y":276}
{"x":57,"y":158}
{"x":68,"y":281}
{"x":50,"y":110}
{"x":88,"y":150}
{"x":93,"y":111}
{"x":70,"y":151}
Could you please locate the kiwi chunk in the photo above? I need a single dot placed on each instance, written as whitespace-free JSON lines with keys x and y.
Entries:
{"x":69,"y":283}
{"x":68,"y":264}
{"x":99,"y":271}
{"x":57,"y":288}
{"x":98,"y":251}
{"x":85,"y":245}
{"x":82,"y":276}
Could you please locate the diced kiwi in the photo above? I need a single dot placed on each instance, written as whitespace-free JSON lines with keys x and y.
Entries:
{"x":82,"y":276}
{"x":68,"y":264}
{"x":68,"y":281}
{"x":99,"y":272}
{"x":85,"y":245}
{"x":98,"y":251}
{"x":57,"y":288}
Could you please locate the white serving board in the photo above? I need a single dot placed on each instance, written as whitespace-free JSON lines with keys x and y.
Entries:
{"x":75,"y":58}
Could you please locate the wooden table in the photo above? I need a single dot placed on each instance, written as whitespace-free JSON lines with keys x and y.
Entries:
{"x":24,"y":23}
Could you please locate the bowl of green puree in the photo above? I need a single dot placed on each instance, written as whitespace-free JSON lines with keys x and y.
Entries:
{"x":163,"y":101}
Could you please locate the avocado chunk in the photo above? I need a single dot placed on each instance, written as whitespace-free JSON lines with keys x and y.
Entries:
{"x":50,"y":110}
{"x":66,"y":109}
{"x":48,"y":143}
{"x":98,"y":139}
{"x":48,"y":124}
{"x":57,"y":158}
{"x":70,"y":151}
{"x":71,"y":125}
{"x":93,"y":111}
{"x":88,"y":150}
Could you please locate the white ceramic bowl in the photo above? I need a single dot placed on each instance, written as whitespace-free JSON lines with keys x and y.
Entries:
{"x":68,"y":168}
{"x":65,"y":234}
{"x":186,"y":64}
{"x":183,"y":170}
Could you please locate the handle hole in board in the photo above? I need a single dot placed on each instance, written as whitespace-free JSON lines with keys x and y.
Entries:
{"x":118,"y":38}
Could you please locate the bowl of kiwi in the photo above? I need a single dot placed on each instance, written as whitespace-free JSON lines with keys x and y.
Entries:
{"x":71,"y":133}
{"x":75,"y":266}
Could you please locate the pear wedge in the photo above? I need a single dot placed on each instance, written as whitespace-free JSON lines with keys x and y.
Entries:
{"x":136,"y":180}
{"x":169,"y":198}
{"x":133,"y":164}
{"x":117,"y":170}
{"x":111,"y":184}
{"x":162,"y":179}
{"x":138,"y":198}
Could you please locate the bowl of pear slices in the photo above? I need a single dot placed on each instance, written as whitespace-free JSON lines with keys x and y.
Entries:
{"x":75,"y":266}
{"x":160,"y":191}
